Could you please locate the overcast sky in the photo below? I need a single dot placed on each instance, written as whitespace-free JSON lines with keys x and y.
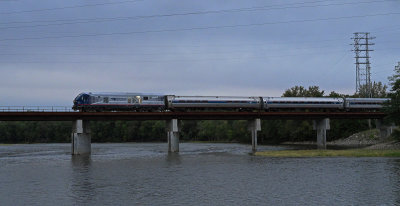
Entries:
{"x":51,"y":50}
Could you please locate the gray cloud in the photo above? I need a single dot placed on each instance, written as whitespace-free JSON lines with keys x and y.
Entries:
{"x":254,"y":60}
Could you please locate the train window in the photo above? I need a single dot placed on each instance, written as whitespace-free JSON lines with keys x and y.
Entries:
{"x":117,"y":99}
{"x":105,"y":100}
{"x":138,"y":99}
{"x":145,"y":98}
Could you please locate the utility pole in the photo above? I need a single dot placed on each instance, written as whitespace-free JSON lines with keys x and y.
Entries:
{"x":363,"y":66}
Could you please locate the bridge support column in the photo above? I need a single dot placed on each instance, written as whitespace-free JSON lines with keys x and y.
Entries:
{"x":254,"y":126}
{"x":81,"y":140}
{"x":173,"y":135}
{"x":384,"y":130}
{"x":321,"y":126}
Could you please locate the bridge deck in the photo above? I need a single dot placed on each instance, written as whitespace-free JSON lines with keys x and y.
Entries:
{"x":103,"y":116}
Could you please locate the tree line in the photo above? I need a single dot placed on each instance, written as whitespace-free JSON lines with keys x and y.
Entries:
{"x":273,"y":131}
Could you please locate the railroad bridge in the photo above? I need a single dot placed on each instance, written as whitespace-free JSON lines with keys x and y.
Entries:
{"x":81,"y":139}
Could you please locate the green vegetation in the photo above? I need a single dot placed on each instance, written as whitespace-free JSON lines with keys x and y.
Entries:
{"x":300,"y":91}
{"x":393,"y":109}
{"x":331,"y":153}
{"x":378,"y":90}
{"x":273,"y":131}
{"x":34,"y":132}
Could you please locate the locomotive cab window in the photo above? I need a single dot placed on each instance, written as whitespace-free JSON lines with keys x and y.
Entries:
{"x":145,"y":98}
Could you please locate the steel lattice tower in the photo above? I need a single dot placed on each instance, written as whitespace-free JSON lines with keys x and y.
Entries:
{"x":363,"y":66}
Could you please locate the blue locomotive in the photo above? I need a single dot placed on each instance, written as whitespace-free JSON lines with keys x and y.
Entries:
{"x":139,"y":102}
{"x":146,"y":102}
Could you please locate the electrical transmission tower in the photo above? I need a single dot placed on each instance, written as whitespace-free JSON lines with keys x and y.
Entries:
{"x":363,"y":66}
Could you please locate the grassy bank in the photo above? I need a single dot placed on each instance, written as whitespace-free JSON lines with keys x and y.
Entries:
{"x":331,"y":153}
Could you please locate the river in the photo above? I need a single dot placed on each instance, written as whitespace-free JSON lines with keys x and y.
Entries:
{"x":201,"y":174}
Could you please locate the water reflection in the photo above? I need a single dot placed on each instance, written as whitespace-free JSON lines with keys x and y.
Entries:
{"x":82,"y":188}
{"x":173,"y":159}
{"x":81,"y":161}
{"x":396,"y":179}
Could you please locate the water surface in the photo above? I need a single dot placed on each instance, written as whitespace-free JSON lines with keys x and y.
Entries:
{"x":201,"y":174}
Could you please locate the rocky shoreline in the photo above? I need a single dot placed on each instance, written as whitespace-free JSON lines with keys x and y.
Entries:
{"x":369,"y":139}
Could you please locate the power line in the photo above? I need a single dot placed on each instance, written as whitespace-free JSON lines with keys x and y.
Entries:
{"x":70,"y":7}
{"x":100,"y":4}
{"x":199,"y":28}
{"x":161,"y":15}
{"x":169,"y":53}
{"x":180,"y":45}
{"x":172,"y":45}
{"x":172,"y":60}
{"x":99,"y":20}
{"x":132,"y":1}
{"x":165,"y":54}
{"x":261,"y":44}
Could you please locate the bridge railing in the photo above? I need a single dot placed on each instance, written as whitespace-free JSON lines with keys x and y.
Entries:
{"x":36,"y":109}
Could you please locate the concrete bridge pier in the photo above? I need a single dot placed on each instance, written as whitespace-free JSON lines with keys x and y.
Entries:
{"x":321,"y":125}
{"x":384,"y":129}
{"x":81,"y":139}
{"x":254,"y":126}
{"x":173,"y":135}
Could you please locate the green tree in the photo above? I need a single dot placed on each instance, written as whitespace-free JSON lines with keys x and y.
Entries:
{"x":189,"y":130}
{"x":313,"y":91}
{"x":300,"y":91}
{"x":393,"y":108}
{"x":337,"y":95}
{"x":378,"y":90}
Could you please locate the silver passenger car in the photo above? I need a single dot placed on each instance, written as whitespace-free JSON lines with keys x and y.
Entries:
{"x":302,"y":103}
{"x":365,"y":103}
{"x":210,"y":102}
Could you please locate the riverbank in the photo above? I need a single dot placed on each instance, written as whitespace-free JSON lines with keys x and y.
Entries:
{"x":331,"y":153}
{"x":363,"y":144}
{"x":369,"y":139}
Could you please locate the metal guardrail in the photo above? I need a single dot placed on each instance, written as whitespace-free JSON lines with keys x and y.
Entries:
{"x":36,"y":109}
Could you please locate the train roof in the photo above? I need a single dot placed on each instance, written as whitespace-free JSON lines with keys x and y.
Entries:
{"x":319,"y":99}
{"x":217,"y":97}
{"x":368,"y":99}
{"x":123,"y":94}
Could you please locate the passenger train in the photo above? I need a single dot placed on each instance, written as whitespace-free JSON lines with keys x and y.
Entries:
{"x":142,"y":102}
